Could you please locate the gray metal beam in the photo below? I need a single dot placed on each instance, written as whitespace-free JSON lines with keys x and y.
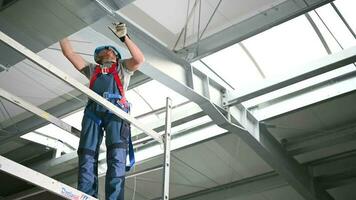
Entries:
{"x":290,"y":169}
{"x":315,"y":68}
{"x":58,"y":19}
{"x":272,"y":180}
{"x":323,"y":168}
{"x":170,"y":70}
{"x":334,"y":164}
{"x":313,"y":141}
{"x":336,"y":170}
{"x":39,"y":112}
{"x":26,"y":153}
{"x":116,"y":4}
{"x":58,"y":107}
{"x":295,"y":174}
{"x":319,"y":91}
{"x":69,"y":161}
{"x":122,"y":3}
{"x":65,"y":77}
{"x":337,"y":180}
{"x":31,"y":123}
{"x":272,"y":17}
{"x":240,"y":188}
{"x":166,"y":68}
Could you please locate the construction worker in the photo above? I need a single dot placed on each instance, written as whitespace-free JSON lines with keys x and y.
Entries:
{"x":109,"y":77}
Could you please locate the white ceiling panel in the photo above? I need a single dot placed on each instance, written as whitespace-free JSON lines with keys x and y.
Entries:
{"x":172,"y":15}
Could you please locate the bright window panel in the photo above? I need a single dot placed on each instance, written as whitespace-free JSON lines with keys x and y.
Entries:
{"x":283,"y":49}
{"x":336,"y":26}
{"x":202,"y":68}
{"x":139,"y":106}
{"x":233,"y":65}
{"x":331,"y":42}
{"x":347,"y":9}
{"x":155,"y":94}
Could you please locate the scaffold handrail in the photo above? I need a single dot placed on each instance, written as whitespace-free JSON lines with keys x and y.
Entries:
{"x":42,"y":181}
{"x":76,"y":84}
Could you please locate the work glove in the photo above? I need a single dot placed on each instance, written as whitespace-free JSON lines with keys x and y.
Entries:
{"x":119,"y":30}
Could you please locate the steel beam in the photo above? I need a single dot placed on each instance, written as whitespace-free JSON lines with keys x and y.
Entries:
{"x":31,"y":123}
{"x":123,"y":3}
{"x":142,"y":172}
{"x":312,"y":69}
{"x":58,"y":19}
{"x":58,"y":107}
{"x":313,"y":141}
{"x":311,"y":94}
{"x":296,"y":175}
{"x":289,"y":169}
{"x":39,"y":112}
{"x":275,"y":155}
{"x":264,"y":20}
{"x":337,"y":180}
{"x":336,"y":170}
{"x":117,"y":4}
{"x":167,"y":69}
{"x":163,"y":66}
{"x":240,"y":188}
{"x":69,"y":161}
{"x":66,"y":78}
{"x":272,"y":180}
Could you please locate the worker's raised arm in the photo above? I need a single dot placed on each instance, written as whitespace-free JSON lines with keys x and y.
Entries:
{"x":67,"y":50}
{"x":137,"y":58}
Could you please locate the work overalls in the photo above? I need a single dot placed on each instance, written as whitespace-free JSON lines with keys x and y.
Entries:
{"x":106,"y":83}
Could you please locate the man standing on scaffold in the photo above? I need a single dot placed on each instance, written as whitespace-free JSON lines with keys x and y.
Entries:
{"x":109,"y":78}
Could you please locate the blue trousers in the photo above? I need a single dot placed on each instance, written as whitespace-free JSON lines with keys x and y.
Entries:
{"x":117,"y":132}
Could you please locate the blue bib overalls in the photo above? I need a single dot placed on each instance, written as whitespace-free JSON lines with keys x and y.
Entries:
{"x":117,"y":131}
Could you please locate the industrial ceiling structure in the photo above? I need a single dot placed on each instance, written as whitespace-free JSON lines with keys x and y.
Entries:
{"x":263,"y":95}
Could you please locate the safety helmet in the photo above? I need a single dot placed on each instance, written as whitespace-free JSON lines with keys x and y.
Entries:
{"x":98,"y":49}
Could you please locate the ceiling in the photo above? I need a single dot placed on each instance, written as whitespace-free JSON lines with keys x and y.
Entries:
{"x":208,"y":162}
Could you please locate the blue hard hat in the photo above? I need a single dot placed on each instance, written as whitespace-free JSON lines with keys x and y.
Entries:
{"x":98,"y":49}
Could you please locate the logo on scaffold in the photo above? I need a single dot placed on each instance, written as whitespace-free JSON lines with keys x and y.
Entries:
{"x":72,"y":196}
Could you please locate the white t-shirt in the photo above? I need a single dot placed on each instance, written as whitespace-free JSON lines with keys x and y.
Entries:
{"x":124,"y":73}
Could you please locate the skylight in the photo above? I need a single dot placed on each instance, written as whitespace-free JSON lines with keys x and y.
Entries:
{"x":347,"y":8}
{"x":233,"y":65}
{"x":284,"y":48}
{"x":336,"y":26}
{"x":277,"y":51}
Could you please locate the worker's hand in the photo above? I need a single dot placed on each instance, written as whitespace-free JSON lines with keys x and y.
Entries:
{"x":120,"y":30}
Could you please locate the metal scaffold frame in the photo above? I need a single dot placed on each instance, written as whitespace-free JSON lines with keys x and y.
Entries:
{"x":48,"y":183}
{"x":167,"y":150}
{"x":224,"y":106}
{"x":41,"y":180}
{"x":39,"y":112}
{"x":76,"y":84}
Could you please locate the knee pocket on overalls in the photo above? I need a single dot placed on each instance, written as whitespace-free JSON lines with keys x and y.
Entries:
{"x":87,"y":165}
{"x":125,"y":131}
{"x":116,"y":160}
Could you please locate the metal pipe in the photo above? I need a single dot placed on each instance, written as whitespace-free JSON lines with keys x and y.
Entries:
{"x":167,"y":150}
{"x":211,"y":17}
{"x":317,"y":31}
{"x":343,"y":19}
